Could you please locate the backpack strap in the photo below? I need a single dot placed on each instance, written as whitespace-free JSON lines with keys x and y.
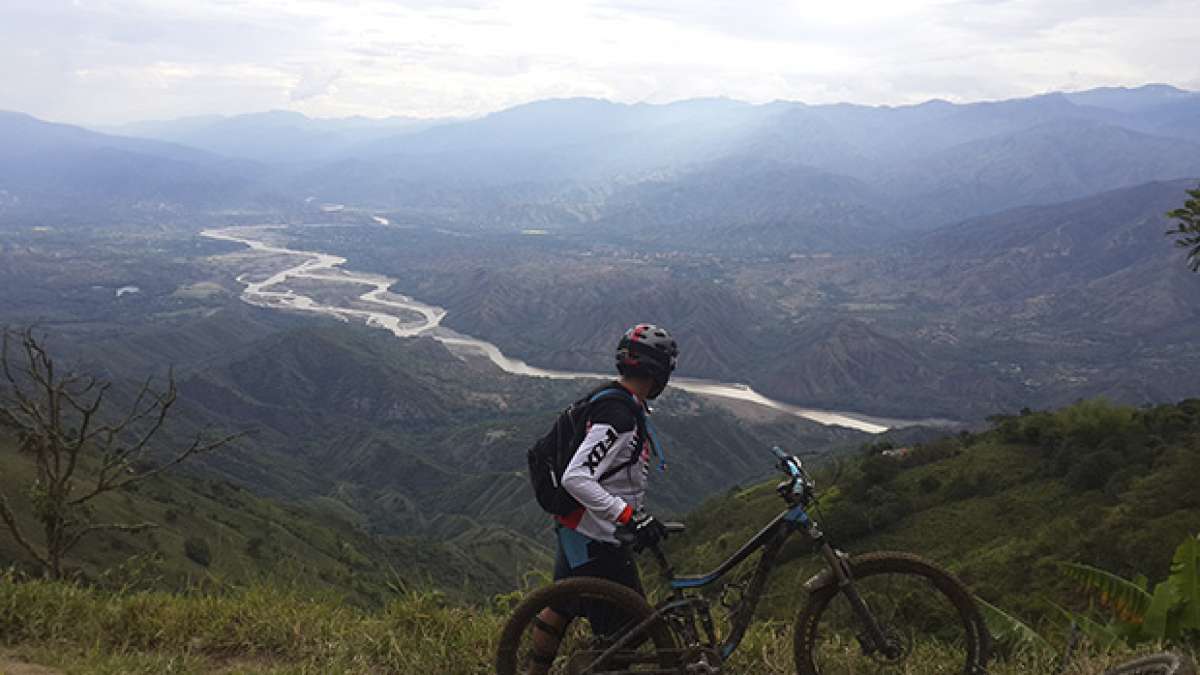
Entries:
{"x":642,"y":420}
{"x":662,"y":459}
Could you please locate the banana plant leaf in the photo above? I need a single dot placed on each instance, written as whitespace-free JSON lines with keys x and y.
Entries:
{"x":1128,"y":601}
{"x":1006,"y":628}
{"x":1185,"y":581}
{"x":1101,"y":636}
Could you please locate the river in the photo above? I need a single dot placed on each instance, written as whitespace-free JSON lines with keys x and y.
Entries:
{"x":407,"y":317}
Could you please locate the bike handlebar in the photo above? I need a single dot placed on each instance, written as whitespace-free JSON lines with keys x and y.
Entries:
{"x":788,"y":463}
{"x":801,"y":486}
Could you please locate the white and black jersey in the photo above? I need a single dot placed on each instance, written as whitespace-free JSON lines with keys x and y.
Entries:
{"x":613,"y":442}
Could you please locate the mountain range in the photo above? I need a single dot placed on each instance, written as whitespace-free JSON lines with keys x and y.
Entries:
{"x":831,"y":255}
{"x":722,"y":173}
{"x":274,"y":137}
{"x":57,"y":172}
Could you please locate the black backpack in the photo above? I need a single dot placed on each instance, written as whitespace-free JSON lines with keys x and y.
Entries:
{"x":549,"y":457}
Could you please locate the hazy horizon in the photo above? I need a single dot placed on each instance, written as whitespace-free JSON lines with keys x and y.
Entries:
{"x":118,"y":62}
{"x":267,"y":111}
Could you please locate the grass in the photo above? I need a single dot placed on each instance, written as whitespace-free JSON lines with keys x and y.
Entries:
{"x":274,"y":629}
{"x":267,"y":629}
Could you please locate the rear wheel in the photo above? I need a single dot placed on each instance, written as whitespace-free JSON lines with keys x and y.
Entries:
{"x":931,"y":623}
{"x":605,"y":612}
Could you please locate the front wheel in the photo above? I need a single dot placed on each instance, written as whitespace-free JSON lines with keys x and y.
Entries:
{"x":1164,"y":663}
{"x":930,"y":622}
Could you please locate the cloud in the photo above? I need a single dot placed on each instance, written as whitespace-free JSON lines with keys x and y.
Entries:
{"x":313,"y":83}
{"x":105,"y":62}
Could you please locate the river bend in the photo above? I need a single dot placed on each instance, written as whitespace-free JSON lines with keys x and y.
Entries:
{"x":404,"y":316}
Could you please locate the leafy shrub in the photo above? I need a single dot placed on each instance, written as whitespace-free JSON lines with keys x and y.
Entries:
{"x":196,"y":549}
{"x":966,"y":485}
{"x":933,"y":451}
{"x":929,"y":484}
{"x":1170,"y":612}
{"x":254,"y":547}
{"x":1091,"y":471}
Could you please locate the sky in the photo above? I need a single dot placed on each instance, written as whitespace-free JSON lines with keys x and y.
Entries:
{"x":115,"y":61}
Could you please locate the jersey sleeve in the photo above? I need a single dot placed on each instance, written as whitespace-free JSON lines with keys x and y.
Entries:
{"x":599,"y":451}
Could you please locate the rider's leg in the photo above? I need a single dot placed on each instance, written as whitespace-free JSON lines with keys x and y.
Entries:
{"x":548,"y":627}
{"x":577,"y":556}
{"x":615,"y":564}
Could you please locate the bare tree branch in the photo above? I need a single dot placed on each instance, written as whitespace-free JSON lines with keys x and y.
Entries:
{"x":161,"y":402}
{"x":85,"y":422}
{"x":96,"y":527}
{"x":196,"y":448}
{"x":28,"y":407}
{"x":58,"y":415}
{"x":7,"y":420}
{"x":10,"y":521}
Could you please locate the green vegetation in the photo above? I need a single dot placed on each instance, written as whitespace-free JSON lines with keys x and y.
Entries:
{"x":1003,"y":507}
{"x":1109,"y":485}
{"x":197,"y":550}
{"x":272,"y":629}
{"x":1188,"y":228}
{"x":260,"y":628}
{"x":219,"y":534}
{"x":1170,"y":612}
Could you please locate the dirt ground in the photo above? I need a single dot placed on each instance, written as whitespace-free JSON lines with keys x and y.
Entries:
{"x":11,"y":667}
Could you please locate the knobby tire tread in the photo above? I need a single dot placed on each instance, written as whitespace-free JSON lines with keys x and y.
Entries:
{"x":978,"y":648}
{"x":1163,"y":663}
{"x":620,"y":596}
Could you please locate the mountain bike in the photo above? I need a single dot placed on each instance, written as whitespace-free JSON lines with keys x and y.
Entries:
{"x":880,"y":612}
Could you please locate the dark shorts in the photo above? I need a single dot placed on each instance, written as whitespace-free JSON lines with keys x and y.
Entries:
{"x":578,"y":556}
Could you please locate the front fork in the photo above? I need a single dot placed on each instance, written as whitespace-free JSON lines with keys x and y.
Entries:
{"x":874,"y":638}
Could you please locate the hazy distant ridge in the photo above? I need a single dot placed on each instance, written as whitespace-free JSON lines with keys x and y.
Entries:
{"x":782,"y":174}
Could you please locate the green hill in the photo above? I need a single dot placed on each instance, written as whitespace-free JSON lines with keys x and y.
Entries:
{"x":402,"y":432}
{"x":1095,"y":482}
{"x":1108,"y":485}
{"x":413,"y":457}
{"x":217,"y":534}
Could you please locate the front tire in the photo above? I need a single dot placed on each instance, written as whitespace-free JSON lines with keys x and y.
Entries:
{"x":926,"y":612}
{"x":1164,"y":663}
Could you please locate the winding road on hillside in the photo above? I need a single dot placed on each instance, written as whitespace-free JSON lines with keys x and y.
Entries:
{"x":407,"y":317}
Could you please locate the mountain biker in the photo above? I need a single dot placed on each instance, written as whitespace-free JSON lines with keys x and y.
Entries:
{"x":611,"y":502}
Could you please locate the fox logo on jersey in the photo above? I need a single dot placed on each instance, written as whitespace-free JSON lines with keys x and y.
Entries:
{"x":600,"y":450}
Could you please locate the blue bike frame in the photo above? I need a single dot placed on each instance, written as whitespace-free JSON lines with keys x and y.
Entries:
{"x":771,"y":538}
